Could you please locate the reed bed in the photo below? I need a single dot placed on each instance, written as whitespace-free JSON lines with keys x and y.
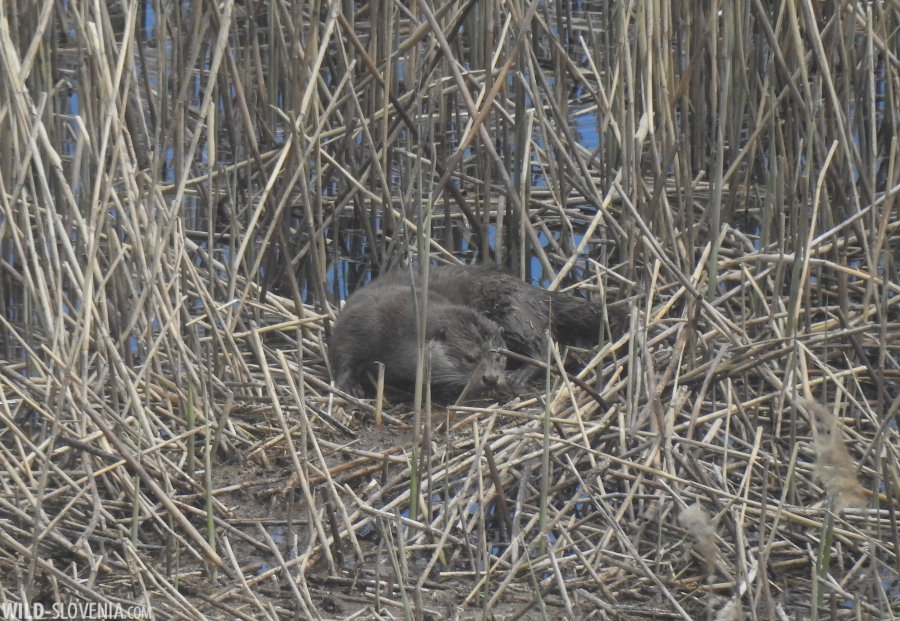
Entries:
{"x":187,"y":190}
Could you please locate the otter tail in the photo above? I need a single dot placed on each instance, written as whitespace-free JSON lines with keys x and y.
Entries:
{"x":576,"y":321}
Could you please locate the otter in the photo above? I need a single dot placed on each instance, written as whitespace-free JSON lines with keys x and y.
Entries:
{"x":525,"y":313}
{"x":378,"y":324}
{"x":520,"y":312}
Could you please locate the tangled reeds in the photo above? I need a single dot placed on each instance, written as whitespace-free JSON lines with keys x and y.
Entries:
{"x":188,"y":189}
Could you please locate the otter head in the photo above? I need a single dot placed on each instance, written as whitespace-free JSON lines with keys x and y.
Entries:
{"x":464,"y":349}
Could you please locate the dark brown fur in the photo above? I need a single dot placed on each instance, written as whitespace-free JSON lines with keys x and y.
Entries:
{"x":378,"y":324}
{"x":524,"y":312}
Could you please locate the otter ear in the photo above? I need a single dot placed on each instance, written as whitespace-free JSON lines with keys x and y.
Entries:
{"x":441,"y":334}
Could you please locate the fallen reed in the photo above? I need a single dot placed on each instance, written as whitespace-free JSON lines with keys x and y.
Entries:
{"x":187,"y":190}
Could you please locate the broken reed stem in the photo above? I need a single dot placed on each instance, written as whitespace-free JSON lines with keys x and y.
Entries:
{"x":184,"y":189}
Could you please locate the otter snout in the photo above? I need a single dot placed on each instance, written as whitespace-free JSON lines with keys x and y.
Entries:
{"x":490,"y":379}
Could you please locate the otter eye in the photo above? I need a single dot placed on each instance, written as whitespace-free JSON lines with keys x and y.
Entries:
{"x":470,"y":357}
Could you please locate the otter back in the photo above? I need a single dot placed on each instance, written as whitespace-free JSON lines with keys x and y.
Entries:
{"x":377,"y":324}
{"x":524,"y":312}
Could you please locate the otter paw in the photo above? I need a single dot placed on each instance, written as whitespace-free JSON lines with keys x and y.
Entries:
{"x":351,"y":386}
{"x":521,"y":377}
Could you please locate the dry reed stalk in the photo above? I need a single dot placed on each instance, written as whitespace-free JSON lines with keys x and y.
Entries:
{"x":185,"y":190}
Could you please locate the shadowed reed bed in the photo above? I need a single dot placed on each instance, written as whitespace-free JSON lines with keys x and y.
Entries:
{"x":187,"y":190}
